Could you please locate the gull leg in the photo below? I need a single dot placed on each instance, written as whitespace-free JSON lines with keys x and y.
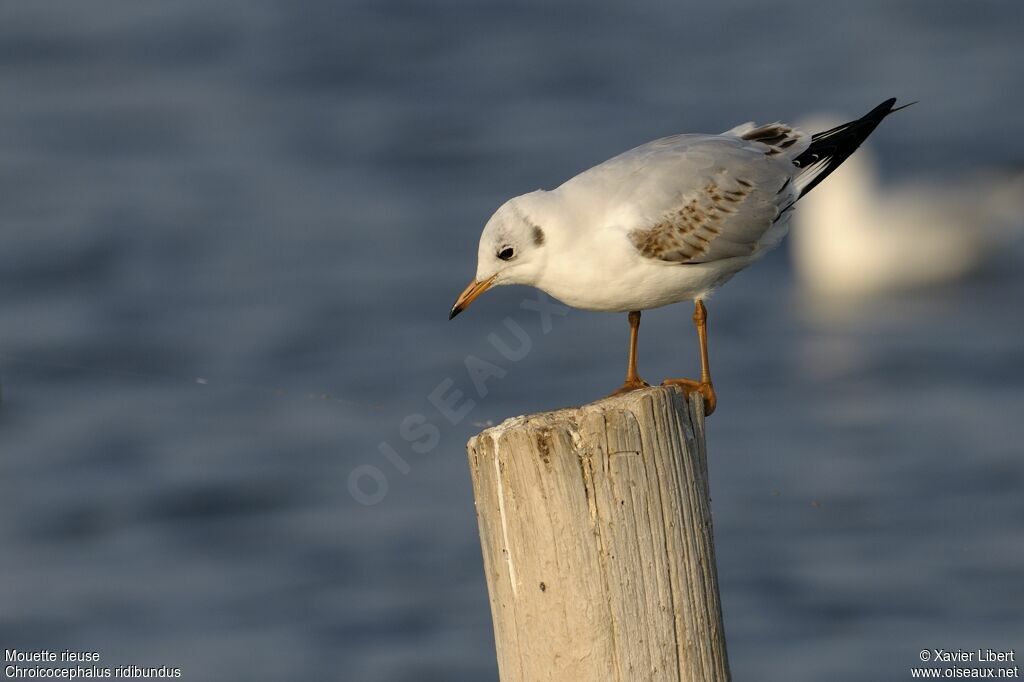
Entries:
{"x":704,"y":386}
{"x":633,"y":381}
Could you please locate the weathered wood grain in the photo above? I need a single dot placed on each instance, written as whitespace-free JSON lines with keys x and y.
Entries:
{"x":595,"y":524}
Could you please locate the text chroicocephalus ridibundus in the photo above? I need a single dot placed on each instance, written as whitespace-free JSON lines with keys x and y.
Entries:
{"x":666,"y":222}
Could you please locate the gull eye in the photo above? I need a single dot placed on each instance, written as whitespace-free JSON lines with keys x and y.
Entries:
{"x":506,"y":253}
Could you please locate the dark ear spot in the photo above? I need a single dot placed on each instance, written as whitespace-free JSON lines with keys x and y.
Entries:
{"x":538,"y":235}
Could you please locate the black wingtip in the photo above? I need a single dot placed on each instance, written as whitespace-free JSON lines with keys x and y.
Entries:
{"x":886,"y":108}
{"x":830,"y":148}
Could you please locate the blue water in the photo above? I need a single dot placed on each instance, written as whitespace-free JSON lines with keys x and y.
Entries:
{"x":231,"y":233}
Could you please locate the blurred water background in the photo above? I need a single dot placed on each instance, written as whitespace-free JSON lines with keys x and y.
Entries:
{"x":230,"y":233}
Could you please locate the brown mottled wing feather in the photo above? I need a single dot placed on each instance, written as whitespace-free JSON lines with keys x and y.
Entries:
{"x":778,"y":137}
{"x":728,"y":193}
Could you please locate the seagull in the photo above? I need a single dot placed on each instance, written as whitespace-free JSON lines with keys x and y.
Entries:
{"x":668,"y":221}
{"x":857,"y":239}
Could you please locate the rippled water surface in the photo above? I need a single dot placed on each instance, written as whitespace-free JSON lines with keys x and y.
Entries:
{"x":231,"y":233}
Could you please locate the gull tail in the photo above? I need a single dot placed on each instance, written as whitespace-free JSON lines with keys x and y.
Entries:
{"x":830,"y":148}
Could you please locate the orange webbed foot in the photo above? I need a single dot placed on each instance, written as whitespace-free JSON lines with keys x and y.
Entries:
{"x":705,"y":388}
{"x":634,"y":384}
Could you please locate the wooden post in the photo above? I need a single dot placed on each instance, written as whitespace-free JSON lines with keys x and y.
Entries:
{"x":595,"y":524}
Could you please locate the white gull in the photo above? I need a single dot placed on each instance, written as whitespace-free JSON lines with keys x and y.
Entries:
{"x":666,"y":222}
{"x":854,"y":238}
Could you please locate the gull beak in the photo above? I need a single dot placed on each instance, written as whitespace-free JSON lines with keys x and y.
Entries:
{"x":470,"y":294}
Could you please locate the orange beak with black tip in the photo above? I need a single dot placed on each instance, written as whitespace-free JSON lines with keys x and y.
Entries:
{"x":470,"y":294}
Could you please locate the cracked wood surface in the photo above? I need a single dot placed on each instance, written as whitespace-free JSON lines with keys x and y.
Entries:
{"x":595,"y":524}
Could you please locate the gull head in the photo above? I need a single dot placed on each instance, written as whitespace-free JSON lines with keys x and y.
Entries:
{"x":512,"y":249}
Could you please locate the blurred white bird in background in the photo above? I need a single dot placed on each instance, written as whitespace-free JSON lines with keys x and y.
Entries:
{"x":853,"y":238}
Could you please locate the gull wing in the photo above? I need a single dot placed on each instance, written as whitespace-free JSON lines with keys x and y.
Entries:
{"x":701,"y":198}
